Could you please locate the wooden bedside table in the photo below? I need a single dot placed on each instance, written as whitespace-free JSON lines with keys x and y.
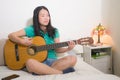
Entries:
{"x":99,"y":57}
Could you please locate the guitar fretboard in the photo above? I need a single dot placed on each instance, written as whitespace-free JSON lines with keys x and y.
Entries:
{"x":50,"y":46}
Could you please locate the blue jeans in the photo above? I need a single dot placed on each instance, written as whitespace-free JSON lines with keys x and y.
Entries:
{"x":49,"y":62}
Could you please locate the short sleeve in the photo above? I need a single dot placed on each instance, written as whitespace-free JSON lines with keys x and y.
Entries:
{"x":29,"y":30}
{"x":57,"y":35}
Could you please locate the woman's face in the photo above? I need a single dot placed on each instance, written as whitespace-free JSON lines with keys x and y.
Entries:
{"x":43,"y":17}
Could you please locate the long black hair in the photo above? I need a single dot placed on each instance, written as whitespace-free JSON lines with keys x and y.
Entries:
{"x":36,"y":24}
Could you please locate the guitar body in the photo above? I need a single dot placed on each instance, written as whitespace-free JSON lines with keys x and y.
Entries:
{"x":16,"y":55}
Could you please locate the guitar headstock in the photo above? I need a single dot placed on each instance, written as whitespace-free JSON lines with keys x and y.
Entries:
{"x":85,"y":41}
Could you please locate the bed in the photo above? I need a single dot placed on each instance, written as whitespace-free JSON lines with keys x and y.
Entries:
{"x":83,"y":71}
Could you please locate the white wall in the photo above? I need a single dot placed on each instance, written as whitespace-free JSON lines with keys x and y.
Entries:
{"x":111,"y":19}
{"x":74,"y":18}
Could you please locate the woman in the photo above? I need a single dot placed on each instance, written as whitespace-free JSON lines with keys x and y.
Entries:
{"x":42,"y":27}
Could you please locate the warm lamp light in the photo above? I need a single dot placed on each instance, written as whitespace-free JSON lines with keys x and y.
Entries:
{"x":101,"y":36}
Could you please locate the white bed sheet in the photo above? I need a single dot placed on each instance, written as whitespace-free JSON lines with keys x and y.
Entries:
{"x":83,"y":72}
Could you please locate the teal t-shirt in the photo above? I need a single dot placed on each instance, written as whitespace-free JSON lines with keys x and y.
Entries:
{"x":30,"y":33}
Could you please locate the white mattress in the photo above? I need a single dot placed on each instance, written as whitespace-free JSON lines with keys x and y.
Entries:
{"x":83,"y":72}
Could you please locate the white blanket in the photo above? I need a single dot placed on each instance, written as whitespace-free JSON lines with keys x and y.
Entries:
{"x":83,"y":72}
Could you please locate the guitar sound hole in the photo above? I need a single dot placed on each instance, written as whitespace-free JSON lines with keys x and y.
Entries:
{"x":31,"y":51}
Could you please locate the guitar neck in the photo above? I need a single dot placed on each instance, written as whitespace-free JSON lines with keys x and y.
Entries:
{"x":51,"y":46}
{"x":81,"y":41}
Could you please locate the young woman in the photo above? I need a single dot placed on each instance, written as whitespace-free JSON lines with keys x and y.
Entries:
{"x":42,"y":27}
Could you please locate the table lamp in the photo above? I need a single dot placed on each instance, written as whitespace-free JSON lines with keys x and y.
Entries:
{"x":100,"y":29}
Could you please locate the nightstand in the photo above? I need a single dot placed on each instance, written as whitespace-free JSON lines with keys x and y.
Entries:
{"x":99,"y":57}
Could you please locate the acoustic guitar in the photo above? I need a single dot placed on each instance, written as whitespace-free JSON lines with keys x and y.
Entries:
{"x":16,"y":55}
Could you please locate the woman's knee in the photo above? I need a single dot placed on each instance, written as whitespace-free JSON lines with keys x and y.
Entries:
{"x":72,"y":59}
{"x":30,"y":64}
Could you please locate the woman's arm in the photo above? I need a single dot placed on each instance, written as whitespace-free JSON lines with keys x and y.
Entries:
{"x":71,"y":45}
{"x":16,"y":37}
